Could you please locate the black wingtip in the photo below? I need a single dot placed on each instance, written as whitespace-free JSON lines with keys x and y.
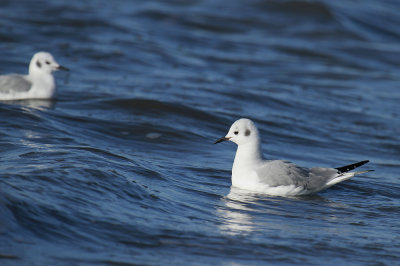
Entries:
{"x":350,"y":167}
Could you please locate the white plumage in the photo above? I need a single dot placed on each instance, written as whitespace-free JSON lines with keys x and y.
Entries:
{"x":276,"y":177}
{"x":38,"y":84}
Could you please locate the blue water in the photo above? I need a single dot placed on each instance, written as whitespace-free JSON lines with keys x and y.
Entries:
{"x":121,"y":169}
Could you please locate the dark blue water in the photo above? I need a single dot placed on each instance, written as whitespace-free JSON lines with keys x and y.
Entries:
{"x":121,"y":169}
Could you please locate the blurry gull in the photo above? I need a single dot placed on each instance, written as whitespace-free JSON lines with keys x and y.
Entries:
{"x":275,"y":177}
{"x":38,"y":84}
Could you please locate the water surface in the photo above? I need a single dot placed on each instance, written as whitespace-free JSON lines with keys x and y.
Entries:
{"x":121,"y":169}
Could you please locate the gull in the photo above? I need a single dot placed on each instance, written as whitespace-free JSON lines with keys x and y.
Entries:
{"x":38,"y":84}
{"x":252,"y":172}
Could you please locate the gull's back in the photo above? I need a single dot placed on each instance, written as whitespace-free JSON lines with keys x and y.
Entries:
{"x":277,"y":173}
{"x":282,"y":173}
{"x":14,"y":83}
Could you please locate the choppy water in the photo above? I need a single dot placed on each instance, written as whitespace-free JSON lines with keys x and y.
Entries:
{"x":121,"y":169}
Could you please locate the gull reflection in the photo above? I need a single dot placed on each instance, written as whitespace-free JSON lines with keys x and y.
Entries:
{"x":244,"y":212}
{"x":235,"y":212}
{"x":34,"y":103}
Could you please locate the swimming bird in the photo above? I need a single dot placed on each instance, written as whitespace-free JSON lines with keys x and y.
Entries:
{"x":38,"y":84}
{"x":251,"y":171}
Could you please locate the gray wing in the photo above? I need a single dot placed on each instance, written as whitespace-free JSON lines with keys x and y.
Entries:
{"x":14,"y":83}
{"x":320,"y":176}
{"x":283,"y":173}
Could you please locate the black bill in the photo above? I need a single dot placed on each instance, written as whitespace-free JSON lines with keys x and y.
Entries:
{"x":62,"y":68}
{"x":221,"y":140}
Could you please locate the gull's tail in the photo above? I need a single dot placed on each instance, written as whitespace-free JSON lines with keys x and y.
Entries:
{"x":344,"y":174}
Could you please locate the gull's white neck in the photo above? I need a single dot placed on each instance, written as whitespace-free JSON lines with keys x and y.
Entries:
{"x":43,"y":84}
{"x":248,"y":156}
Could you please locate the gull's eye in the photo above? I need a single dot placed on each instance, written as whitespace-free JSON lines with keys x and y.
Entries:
{"x":47,"y":62}
{"x":236,"y":132}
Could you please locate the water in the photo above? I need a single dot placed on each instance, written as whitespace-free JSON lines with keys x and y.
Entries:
{"x":121,"y":169}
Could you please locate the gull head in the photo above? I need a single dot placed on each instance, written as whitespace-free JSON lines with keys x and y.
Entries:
{"x":242,"y":131}
{"x":44,"y":63}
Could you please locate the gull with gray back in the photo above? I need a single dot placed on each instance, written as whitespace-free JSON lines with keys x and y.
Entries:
{"x":38,"y":84}
{"x":251,"y":171}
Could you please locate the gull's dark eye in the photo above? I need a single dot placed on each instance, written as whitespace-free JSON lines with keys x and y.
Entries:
{"x":47,"y":62}
{"x":236,"y":132}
